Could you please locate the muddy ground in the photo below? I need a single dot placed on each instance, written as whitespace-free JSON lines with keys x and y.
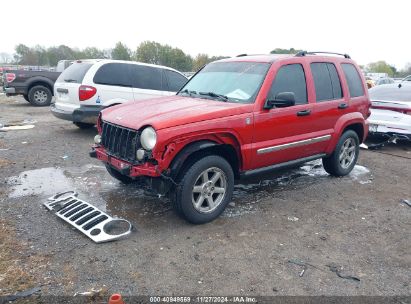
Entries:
{"x":357,"y":222}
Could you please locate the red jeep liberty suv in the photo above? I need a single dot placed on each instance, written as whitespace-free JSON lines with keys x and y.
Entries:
{"x":237,"y":117}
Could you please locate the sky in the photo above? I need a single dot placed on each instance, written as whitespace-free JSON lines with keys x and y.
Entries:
{"x":367,"y":30}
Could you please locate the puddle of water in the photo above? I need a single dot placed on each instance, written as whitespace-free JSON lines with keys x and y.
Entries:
{"x":133,"y":202}
{"x":95,"y":186}
{"x":45,"y":181}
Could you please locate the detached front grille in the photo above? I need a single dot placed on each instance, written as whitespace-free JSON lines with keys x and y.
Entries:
{"x":120,"y":142}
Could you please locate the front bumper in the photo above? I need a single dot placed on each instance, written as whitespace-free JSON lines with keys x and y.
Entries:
{"x":85,"y":114}
{"x":125,"y":168}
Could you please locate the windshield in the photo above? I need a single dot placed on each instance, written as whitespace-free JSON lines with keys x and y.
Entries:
{"x":228,"y":81}
{"x":74,"y":73}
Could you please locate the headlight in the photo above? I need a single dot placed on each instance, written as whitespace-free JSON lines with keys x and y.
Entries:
{"x":97,"y":139}
{"x":148,"y":138}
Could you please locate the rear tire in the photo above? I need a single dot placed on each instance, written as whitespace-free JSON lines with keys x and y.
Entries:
{"x":345,"y":155}
{"x":118,"y":176}
{"x":26,"y":97}
{"x":205,"y":189}
{"x":83,"y":125}
{"x":40,"y":96}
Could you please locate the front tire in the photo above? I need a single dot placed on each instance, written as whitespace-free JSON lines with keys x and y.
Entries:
{"x":118,"y":176}
{"x":205,"y":189}
{"x":345,"y":155}
{"x":40,"y":96}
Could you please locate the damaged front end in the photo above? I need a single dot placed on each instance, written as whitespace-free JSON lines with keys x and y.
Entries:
{"x":130,"y":153}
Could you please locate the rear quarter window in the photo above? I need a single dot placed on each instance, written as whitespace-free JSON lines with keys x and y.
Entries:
{"x":115,"y":74}
{"x":74,"y":73}
{"x":326,"y":80}
{"x":353,"y":80}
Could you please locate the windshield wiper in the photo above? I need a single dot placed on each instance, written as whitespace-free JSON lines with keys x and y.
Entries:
{"x":70,"y":80}
{"x":190,"y":93}
{"x":215,"y":95}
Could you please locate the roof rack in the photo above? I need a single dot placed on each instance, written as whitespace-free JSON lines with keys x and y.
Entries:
{"x":304,"y":53}
{"x":241,"y":55}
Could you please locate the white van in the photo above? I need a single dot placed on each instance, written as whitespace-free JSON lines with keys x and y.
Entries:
{"x":87,"y":87}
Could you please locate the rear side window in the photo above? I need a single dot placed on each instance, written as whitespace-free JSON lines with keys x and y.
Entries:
{"x":115,"y":74}
{"x":353,"y":80}
{"x":326,"y":80}
{"x":290,"y":78}
{"x":74,"y":73}
{"x":175,"y":80}
{"x":146,"y":77}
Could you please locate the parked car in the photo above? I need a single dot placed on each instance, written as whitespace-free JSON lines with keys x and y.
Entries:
{"x":85,"y":88}
{"x":237,"y":117}
{"x":391,"y":110}
{"x":381,"y":81}
{"x":36,"y":86}
{"x":408,"y":78}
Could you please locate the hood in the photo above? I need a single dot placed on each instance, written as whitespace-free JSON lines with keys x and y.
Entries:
{"x":166,"y":112}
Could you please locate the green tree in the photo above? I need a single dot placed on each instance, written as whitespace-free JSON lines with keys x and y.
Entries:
{"x":25,"y":55}
{"x":90,"y":53}
{"x":41,"y":54}
{"x":148,"y":52}
{"x":380,"y":67}
{"x":156,"y":53}
{"x":121,"y":52}
{"x":199,"y":61}
{"x":285,"y":51}
{"x":62,"y":52}
{"x":202,"y":59}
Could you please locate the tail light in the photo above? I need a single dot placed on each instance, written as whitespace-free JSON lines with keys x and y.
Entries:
{"x":86,"y":92}
{"x":10,"y":77}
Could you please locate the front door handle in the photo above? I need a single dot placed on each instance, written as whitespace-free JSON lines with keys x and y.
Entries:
{"x":342,"y":106}
{"x":304,"y":112}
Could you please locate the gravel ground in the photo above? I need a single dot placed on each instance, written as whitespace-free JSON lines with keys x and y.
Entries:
{"x":357,"y":222}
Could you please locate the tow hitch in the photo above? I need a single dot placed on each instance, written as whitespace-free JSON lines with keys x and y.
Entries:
{"x":96,"y":224}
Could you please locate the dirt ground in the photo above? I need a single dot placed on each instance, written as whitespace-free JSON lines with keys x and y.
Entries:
{"x":357,"y":223}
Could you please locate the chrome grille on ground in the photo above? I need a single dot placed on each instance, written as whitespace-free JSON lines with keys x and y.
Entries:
{"x":120,"y":142}
{"x":96,"y":224}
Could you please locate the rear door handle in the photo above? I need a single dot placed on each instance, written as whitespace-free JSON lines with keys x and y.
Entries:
{"x":304,"y":112}
{"x":342,"y":106}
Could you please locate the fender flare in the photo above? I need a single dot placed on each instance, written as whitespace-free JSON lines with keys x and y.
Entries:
{"x":40,"y":79}
{"x":186,"y":152}
{"x":342,"y":123}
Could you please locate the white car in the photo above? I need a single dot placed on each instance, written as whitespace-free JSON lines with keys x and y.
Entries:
{"x":391,"y":110}
{"x":88,"y":86}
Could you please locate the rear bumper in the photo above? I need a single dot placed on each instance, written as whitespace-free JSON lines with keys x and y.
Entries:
{"x":85,"y":114}
{"x":10,"y":91}
{"x":125,"y":168}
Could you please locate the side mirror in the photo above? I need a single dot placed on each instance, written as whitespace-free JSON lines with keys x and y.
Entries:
{"x":281,"y":100}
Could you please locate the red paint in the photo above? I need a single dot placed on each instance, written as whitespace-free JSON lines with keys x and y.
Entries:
{"x":180,"y":121}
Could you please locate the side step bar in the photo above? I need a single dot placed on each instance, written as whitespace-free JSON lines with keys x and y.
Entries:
{"x":94,"y":223}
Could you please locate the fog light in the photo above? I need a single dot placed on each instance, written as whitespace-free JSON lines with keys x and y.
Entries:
{"x":97,"y":139}
{"x":140,"y":154}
